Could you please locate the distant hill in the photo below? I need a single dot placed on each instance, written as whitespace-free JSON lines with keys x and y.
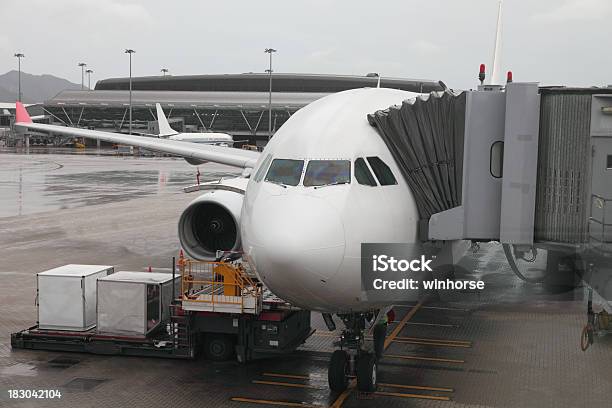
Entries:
{"x":34,"y":88}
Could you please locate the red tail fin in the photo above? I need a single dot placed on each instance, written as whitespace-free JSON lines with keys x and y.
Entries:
{"x":21,"y":114}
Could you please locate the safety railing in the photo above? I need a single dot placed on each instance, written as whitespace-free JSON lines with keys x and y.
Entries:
{"x":218,"y":286}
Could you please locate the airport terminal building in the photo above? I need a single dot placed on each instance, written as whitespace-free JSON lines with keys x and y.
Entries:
{"x":230,"y":103}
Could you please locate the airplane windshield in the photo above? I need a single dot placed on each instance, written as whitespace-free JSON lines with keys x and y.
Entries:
{"x":285,"y":171}
{"x":327,"y":172}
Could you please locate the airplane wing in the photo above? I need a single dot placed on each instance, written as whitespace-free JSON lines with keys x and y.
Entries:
{"x":217,"y":154}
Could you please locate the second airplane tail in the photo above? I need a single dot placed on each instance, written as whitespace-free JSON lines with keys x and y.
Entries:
{"x":164,"y":127}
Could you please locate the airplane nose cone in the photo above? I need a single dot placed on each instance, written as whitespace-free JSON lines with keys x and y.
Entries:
{"x":298,"y":244}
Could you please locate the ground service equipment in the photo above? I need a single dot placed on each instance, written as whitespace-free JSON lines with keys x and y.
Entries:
{"x":220,"y":310}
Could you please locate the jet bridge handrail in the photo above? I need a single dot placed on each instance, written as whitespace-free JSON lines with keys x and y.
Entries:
{"x":602,"y":203}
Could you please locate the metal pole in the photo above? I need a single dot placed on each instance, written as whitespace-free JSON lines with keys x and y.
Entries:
{"x":19,"y":56}
{"x":270,"y":102}
{"x":270,"y":51}
{"x":82,"y":65}
{"x":19,"y":63}
{"x":89,"y":71}
{"x":130,"y":93}
{"x":130,"y":51}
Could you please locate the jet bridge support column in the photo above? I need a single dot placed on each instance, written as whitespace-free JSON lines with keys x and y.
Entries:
{"x":520,"y":169}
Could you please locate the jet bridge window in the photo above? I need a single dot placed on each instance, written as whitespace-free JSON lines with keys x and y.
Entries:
{"x":382,"y":171}
{"x":285,"y":171}
{"x":363,"y":174}
{"x":327,"y":172}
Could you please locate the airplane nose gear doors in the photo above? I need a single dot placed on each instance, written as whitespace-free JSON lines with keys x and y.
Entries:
{"x":353,"y":359}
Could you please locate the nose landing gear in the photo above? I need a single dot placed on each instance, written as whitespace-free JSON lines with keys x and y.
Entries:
{"x":353,"y":360}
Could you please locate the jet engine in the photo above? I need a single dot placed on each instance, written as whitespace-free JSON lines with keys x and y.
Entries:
{"x":212,"y":222}
{"x":194,"y":162}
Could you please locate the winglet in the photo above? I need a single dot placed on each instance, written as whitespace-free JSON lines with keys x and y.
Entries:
{"x":21,"y":114}
{"x":162,"y":122}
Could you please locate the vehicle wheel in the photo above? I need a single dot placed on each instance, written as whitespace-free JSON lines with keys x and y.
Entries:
{"x":337,"y":371}
{"x":218,"y":347}
{"x":586,"y":339}
{"x":366,"y":373}
{"x":380,"y":332}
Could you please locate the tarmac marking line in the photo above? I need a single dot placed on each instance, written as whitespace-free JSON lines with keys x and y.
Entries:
{"x":274,"y":402}
{"x":434,"y":340}
{"x":402,"y":324}
{"x":284,"y":384}
{"x":433,"y":324}
{"x":437,"y":359}
{"x":420,"y":396}
{"x":344,"y":395}
{"x":423,"y":343}
{"x":325,"y":334}
{"x":294,"y":376}
{"x":438,"y":308}
{"x":417,"y":387}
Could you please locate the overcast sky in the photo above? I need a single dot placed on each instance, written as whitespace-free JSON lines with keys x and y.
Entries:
{"x":550,"y":41}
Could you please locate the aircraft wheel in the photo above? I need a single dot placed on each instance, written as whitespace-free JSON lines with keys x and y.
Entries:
{"x":586,"y":339}
{"x":366,"y":373}
{"x":337,"y":372}
{"x":380,"y":332}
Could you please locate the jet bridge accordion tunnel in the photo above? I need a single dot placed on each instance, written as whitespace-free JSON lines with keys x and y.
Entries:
{"x":526,"y":166}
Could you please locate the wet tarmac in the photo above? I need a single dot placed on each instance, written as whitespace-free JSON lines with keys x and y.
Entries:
{"x":514,"y":344}
{"x":44,"y":180}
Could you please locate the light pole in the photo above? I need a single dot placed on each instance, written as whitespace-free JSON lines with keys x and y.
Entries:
{"x":164,"y":70}
{"x":89,"y":72}
{"x":130,"y":51}
{"x":82,"y":65}
{"x":270,"y":51}
{"x":19,"y":57}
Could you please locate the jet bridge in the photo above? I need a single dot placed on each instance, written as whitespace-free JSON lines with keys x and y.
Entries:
{"x":526,"y":166}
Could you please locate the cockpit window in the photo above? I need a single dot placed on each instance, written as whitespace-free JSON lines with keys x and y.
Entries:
{"x":382,"y":171}
{"x":262,"y":168}
{"x":327,"y":172}
{"x":285,"y":171}
{"x":363,"y":174}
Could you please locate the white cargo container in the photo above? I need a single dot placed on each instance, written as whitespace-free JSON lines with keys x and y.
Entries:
{"x":133,"y":303}
{"x":66,"y":296}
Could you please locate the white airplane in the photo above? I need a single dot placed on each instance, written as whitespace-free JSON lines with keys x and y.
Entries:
{"x":166,"y":132}
{"x":324,"y":184}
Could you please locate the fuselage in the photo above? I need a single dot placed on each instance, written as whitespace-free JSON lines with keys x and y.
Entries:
{"x":304,"y":231}
{"x":219,"y":139}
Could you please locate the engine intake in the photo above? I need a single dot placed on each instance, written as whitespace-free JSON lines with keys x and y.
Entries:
{"x":211,"y":223}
